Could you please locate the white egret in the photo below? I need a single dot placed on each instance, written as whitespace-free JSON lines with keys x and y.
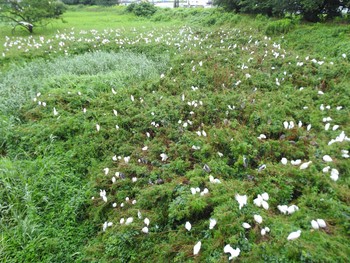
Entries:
{"x":292,"y":209}
{"x":55,"y":112}
{"x":188,"y":226}
{"x":327,"y":158}
{"x":334,"y":175}
{"x":246,"y":225}
{"x":145,"y":230}
{"x":204,"y":192}
{"x":305,"y":165}
{"x":283,"y":209}
{"x":284,"y":161}
{"x":258,"y":219}
{"x":164,"y":157}
{"x":129,"y":220}
{"x":314,"y":224}
{"x":139,"y":215}
{"x":197,"y":248}
{"x":104,"y":226}
{"x":146,"y":221}
{"x":321,"y":223}
{"x":265,"y":196}
{"x":326,"y":169}
{"x":193,"y":190}
{"x":294,"y":235}
{"x":212,"y":223}
{"x":296,"y":162}
{"x":233,"y":252}
{"x":241,"y":199}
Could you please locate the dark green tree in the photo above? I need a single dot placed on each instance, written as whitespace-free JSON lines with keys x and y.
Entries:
{"x":312,"y":10}
{"x":29,"y":14}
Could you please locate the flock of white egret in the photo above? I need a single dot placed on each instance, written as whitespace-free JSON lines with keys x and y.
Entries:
{"x":185,"y":40}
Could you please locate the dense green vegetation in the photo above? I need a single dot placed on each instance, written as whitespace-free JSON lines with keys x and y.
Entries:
{"x":311,"y":10}
{"x":164,"y":102}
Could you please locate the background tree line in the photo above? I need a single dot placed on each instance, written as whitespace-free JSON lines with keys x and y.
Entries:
{"x":91,"y":2}
{"x":311,"y":10}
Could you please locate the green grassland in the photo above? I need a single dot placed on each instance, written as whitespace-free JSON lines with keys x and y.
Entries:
{"x":198,"y":85}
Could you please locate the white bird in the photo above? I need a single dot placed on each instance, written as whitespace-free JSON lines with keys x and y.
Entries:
{"x":145,"y":230}
{"x":146,"y":221}
{"x":113,"y":91}
{"x":197,"y":248}
{"x":233,"y":252}
{"x":265,"y":205}
{"x":139,"y":215}
{"x":258,"y":201}
{"x":103,"y":195}
{"x":241,"y":199}
{"x":314,"y":224}
{"x":246,"y":225}
{"x":285,"y":124}
{"x":326,"y":127}
{"x":127,"y":159}
{"x":212,"y":223}
{"x":296,"y":162}
{"x":321,"y":223}
{"x":291,"y":125}
{"x":262,"y":136}
{"x":326,"y":169}
{"x":291,"y":209}
{"x":283,"y":208}
{"x":129,"y":220}
{"x":258,"y":219}
{"x":164,"y":157}
{"x":106,"y":170}
{"x":284,"y":161}
{"x":263,"y":232}
{"x":308,"y":127}
{"x":121,"y":221}
{"x":98,"y":127}
{"x":294,"y":235}
{"x":193,"y":190}
{"x":104,"y":226}
{"x":327,"y":158}
{"x":305,"y":165}
{"x":55,"y":112}
{"x":265,"y":196}
{"x":188,"y":226}
{"x":334,"y":175}
{"x":204,"y":192}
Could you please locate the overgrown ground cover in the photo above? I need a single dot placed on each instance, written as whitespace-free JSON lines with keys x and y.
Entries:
{"x":119,"y":119}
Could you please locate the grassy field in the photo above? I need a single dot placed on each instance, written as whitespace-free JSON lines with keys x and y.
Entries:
{"x":116,"y":130}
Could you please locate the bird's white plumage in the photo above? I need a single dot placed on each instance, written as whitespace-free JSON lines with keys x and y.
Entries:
{"x":197,"y":248}
{"x":294,"y":235}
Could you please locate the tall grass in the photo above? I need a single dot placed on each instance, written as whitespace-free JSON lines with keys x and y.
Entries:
{"x":21,"y":83}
